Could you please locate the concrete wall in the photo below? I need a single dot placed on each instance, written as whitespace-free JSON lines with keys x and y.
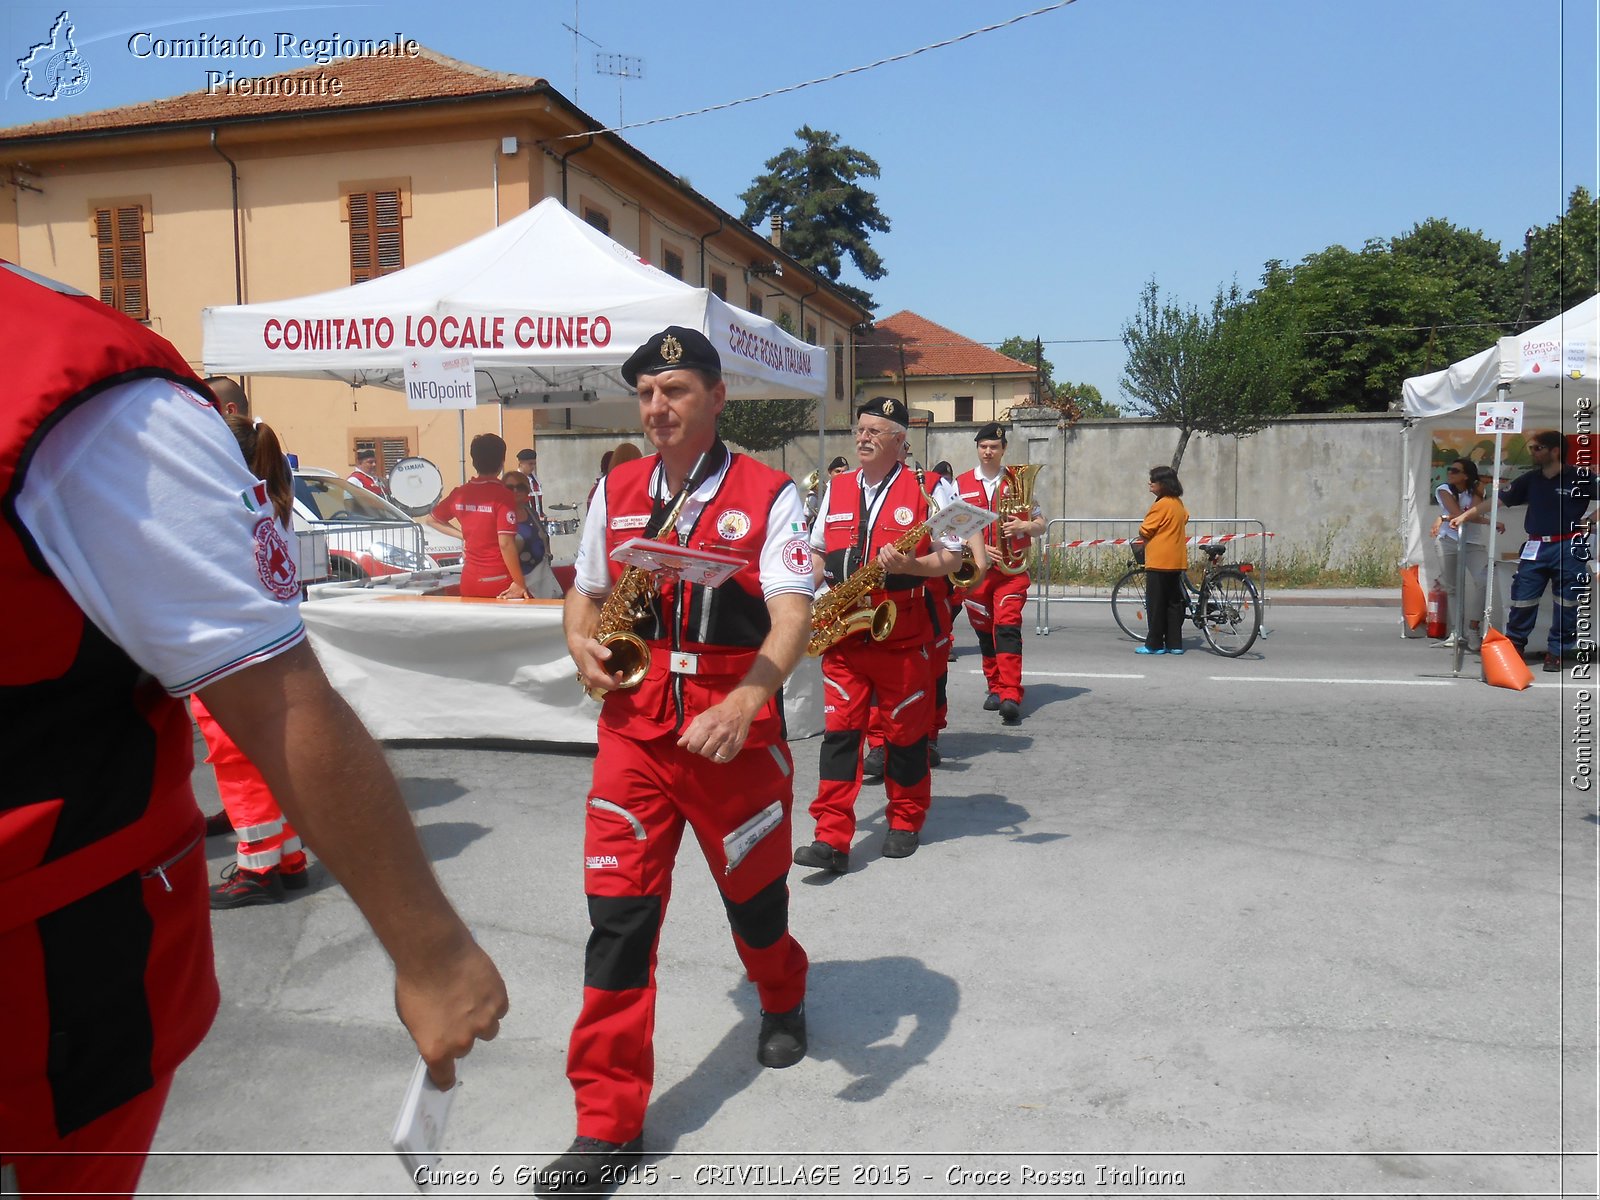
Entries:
{"x":1312,"y":480}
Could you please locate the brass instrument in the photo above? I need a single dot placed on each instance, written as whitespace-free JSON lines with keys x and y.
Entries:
{"x":809,"y":484}
{"x":967,"y":574}
{"x":1017,"y":501}
{"x":844,"y":610}
{"x":628,"y":604}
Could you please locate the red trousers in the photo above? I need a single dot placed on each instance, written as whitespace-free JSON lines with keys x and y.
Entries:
{"x":939,"y":659}
{"x":894,"y":684}
{"x":102,"y":1000}
{"x":266,"y":839}
{"x":994,"y":607}
{"x":643,"y":795}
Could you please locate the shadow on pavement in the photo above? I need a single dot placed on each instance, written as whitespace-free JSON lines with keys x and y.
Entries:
{"x":855,"y":1014}
{"x":446,"y":839}
{"x":421,"y":792}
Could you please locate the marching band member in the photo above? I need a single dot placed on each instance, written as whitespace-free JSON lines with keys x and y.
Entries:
{"x":698,"y":742}
{"x":994,"y":604}
{"x":366,"y":473}
{"x":864,"y":513}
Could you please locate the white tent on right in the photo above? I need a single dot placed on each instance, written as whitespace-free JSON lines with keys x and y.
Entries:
{"x":1551,"y":370}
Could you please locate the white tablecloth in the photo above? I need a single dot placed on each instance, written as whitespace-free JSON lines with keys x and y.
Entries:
{"x":417,"y":667}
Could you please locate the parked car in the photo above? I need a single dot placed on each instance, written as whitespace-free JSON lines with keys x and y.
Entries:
{"x":366,"y":535}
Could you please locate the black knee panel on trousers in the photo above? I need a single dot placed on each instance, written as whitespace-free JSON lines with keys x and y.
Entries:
{"x":906,"y":765}
{"x":985,"y":644}
{"x":1008,"y":639}
{"x":941,"y":689}
{"x":841,"y":749}
{"x":623,"y":928}
{"x":762,"y":919}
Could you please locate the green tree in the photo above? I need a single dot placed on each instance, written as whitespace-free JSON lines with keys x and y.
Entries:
{"x":1085,"y":397}
{"x":1374,"y":317}
{"x":1562,"y":265}
{"x":827,"y":215}
{"x":1223,"y":371}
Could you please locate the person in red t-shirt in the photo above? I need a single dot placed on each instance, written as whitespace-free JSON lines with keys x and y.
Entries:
{"x":484,"y":516}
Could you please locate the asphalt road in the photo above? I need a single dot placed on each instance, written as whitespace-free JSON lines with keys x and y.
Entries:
{"x":1319,"y":920}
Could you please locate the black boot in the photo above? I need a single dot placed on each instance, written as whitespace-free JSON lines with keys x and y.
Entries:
{"x":783,"y":1037}
{"x":590,"y":1167}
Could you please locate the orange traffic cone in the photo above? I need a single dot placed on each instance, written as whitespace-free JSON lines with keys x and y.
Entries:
{"x":1502,"y":664}
{"x":1413,"y":604}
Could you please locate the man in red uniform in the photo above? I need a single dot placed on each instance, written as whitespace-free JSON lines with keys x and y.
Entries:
{"x":699,"y":742}
{"x":486,"y":516}
{"x":994,"y":604}
{"x":864,"y":513}
{"x":104,"y":925}
{"x":366,"y":473}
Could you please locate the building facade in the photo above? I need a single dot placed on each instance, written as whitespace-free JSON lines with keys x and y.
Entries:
{"x":940,"y":372}
{"x":165,"y":207}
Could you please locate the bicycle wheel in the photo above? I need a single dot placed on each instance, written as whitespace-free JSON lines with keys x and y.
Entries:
{"x":1230,"y":612}
{"x":1127,"y":604}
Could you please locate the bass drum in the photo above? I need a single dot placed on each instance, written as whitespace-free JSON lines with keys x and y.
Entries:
{"x":416,"y":485}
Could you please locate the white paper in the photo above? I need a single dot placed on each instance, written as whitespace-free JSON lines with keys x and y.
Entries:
{"x":418,"y":1134}
{"x":960,"y":520}
{"x":704,"y":567}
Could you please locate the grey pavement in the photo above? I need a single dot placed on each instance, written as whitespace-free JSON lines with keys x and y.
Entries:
{"x":1316,"y":921}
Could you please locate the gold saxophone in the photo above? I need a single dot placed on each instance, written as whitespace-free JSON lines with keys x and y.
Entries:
{"x":1009,"y":556}
{"x":845,"y":609}
{"x":628,"y":604}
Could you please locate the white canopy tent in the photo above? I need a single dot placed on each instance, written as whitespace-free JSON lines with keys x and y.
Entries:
{"x":548,"y":307}
{"x":1551,"y":369}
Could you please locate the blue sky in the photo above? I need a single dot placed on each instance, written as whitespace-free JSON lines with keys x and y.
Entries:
{"x":1038,"y":175}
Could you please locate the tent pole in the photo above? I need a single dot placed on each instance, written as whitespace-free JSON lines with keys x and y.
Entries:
{"x":1494,"y":517}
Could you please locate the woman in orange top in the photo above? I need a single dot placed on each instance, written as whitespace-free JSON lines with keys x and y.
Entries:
{"x":1166,"y":555}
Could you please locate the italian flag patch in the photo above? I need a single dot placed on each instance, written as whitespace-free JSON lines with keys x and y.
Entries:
{"x":256,"y":498}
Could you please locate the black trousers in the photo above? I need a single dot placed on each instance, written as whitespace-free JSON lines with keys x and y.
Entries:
{"x":1163,"y":602}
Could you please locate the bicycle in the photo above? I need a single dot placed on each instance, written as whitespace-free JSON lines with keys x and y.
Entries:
{"x":1226,"y":608}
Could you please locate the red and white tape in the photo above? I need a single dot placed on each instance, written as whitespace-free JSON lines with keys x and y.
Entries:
{"x":1199,"y":539}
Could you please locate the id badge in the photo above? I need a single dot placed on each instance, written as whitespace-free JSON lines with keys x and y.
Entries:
{"x":1530,"y":550}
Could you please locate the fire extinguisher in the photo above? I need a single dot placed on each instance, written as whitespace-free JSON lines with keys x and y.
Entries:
{"x":1438,"y":611}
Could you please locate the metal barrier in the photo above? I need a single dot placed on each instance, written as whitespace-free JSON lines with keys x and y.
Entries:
{"x":1083,"y":557}
{"x":360,"y":549}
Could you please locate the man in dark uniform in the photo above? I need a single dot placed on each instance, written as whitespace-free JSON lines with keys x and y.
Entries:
{"x":698,"y":742}
{"x":1557,"y":550}
{"x":864,"y":514}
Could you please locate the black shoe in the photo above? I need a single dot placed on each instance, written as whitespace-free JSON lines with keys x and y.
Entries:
{"x":934,"y":757}
{"x":992,"y":703}
{"x":783,"y":1037}
{"x":1010,"y":713}
{"x":218,"y":824}
{"x":901,"y":843}
{"x":820,"y":856}
{"x":581,"y":1171}
{"x":872,"y":764}
{"x":1552,"y":664}
{"x":242,"y":887}
{"x":295,"y":881}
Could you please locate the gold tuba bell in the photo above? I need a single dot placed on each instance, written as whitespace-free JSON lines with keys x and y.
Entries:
{"x":1011,"y":556}
{"x":809,"y":483}
{"x":967,"y":574}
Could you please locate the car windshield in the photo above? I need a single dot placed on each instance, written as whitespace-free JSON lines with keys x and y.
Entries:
{"x":331,"y":499}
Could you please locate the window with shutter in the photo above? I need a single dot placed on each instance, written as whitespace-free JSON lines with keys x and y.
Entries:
{"x":672,"y":261}
{"x":377,"y":246}
{"x":391,"y":445}
{"x":719,"y":285}
{"x":119,"y":244}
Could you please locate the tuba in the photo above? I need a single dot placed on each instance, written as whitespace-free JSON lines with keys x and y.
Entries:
{"x":1010,"y":556}
{"x":967,"y":574}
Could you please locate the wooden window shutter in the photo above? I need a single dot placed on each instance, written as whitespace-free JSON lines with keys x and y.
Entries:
{"x":376,"y":244}
{"x":119,"y":242}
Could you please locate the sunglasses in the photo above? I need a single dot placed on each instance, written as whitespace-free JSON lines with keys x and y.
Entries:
{"x":1454,"y":471}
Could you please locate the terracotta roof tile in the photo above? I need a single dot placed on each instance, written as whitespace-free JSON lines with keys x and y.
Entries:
{"x":930,"y":350}
{"x":366,"y":80}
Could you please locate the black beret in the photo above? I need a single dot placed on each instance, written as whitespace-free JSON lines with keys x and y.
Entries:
{"x":674,"y":348}
{"x":888,"y":408}
{"x":992,"y":432}
{"x":839,"y":460}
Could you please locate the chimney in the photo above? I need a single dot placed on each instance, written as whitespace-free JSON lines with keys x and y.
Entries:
{"x":776,"y":236}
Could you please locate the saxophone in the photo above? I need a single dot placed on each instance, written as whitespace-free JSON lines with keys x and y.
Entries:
{"x":846,"y":610}
{"x":629,"y":603}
